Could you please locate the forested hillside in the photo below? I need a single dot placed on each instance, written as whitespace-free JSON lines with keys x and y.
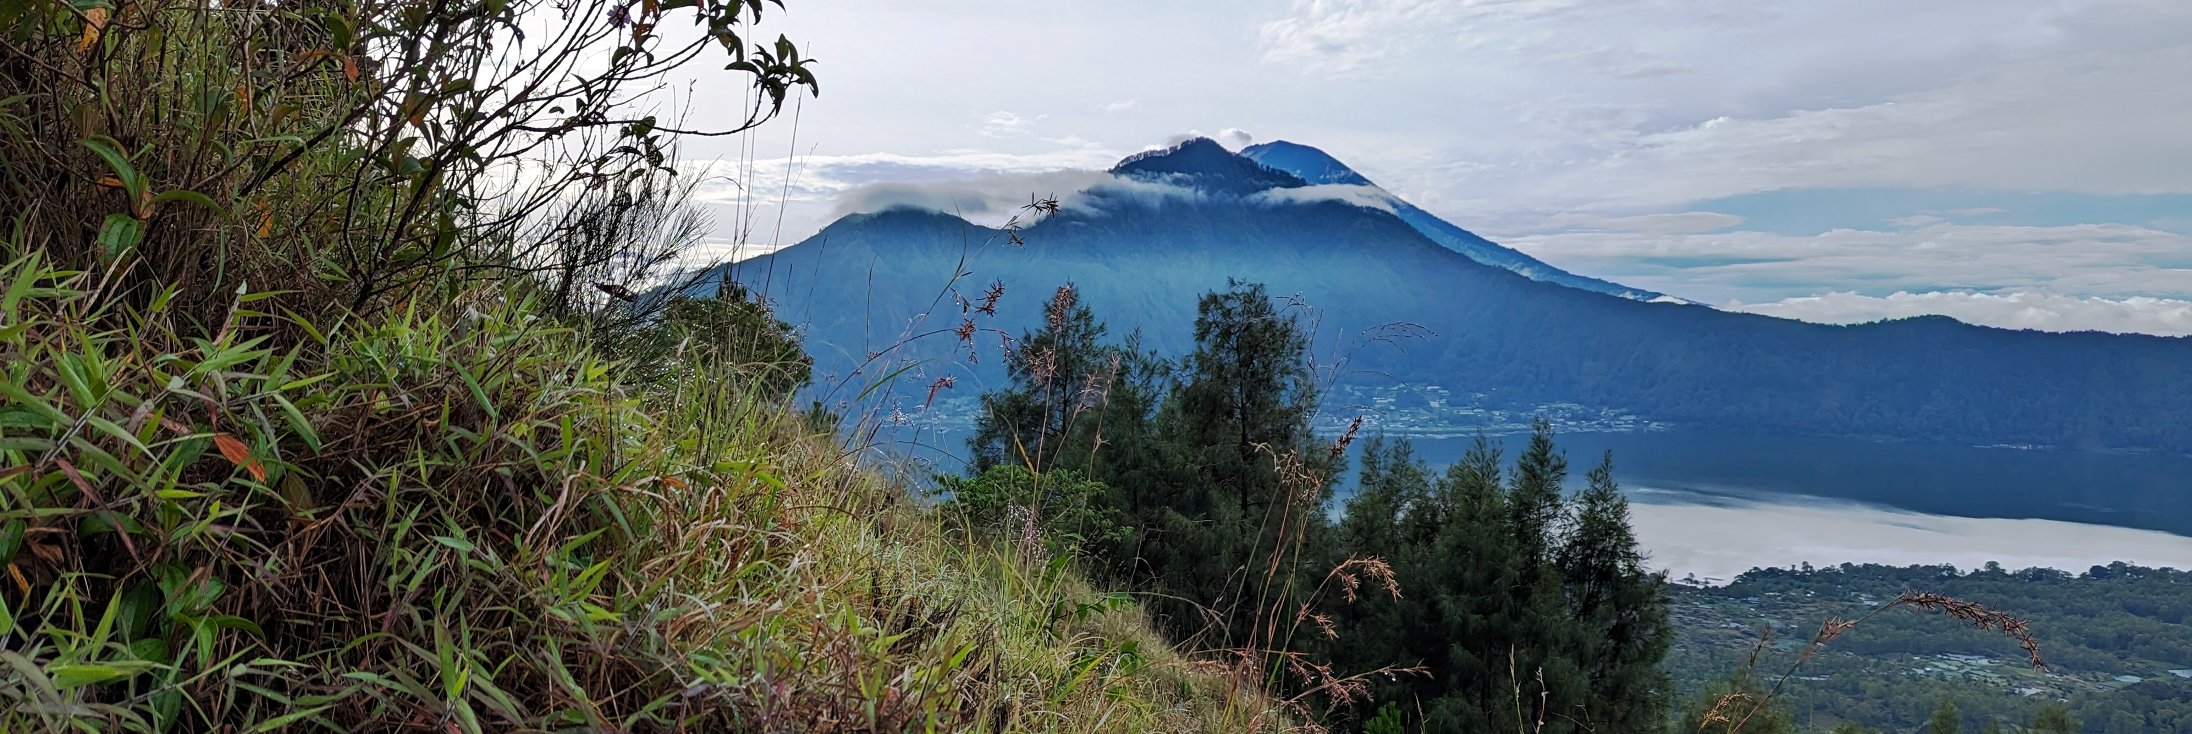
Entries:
{"x":336,"y":394}
{"x":2115,"y":638}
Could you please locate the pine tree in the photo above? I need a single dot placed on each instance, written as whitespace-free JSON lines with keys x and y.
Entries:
{"x":2055,"y":718}
{"x":1523,"y":606}
{"x":1238,"y":506}
{"x":1070,"y":392}
{"x":1535,"y":500}
{"x":1620,"y":606}
{"x":1945,"y":720}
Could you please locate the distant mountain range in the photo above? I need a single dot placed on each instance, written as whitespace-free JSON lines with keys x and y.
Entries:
{"x":1472,"y":316}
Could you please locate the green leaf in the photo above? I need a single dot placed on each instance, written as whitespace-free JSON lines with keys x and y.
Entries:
{"x":119,"y":235}
{"x":189,"y":196}
{"x":109,"y":149}
{"x":285,"y":720}
{"x":233,"y":622}
{"x":74,"y":676}
{"x":151,"y":650}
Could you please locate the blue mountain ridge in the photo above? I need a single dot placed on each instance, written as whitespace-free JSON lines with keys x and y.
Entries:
{"x":1317,"y":167}
{"x":1188,"y":220}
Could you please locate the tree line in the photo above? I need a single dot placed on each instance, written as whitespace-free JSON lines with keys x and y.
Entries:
{"x":1483,"y":598}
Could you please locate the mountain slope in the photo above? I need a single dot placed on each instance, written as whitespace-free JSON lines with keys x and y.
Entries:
{"x":1317,"y":167}
{"x":1141,"y":252}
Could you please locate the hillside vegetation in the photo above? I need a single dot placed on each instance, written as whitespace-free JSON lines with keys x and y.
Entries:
{"x":352,"y":379}
{"x":337,"y":393}
{"x":2114,"y":635}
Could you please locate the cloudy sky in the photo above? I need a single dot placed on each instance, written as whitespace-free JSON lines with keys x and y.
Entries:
{"x":2020,"y":163}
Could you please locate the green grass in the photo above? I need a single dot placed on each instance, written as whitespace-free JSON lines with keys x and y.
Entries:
{"x":457,"y":518}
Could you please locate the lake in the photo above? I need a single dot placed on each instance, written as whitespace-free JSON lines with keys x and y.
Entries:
{"x":1716,"y":503}
{"x":2150,"y":491}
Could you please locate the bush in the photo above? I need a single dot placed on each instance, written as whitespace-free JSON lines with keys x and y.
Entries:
{"x":1048,"y":514}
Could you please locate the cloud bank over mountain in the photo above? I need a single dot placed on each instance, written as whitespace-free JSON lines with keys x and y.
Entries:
{"x":1593,"y":135}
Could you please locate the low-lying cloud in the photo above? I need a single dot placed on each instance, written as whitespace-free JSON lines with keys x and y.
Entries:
{"x":1368,"y":197}
{"x":980,"y":197}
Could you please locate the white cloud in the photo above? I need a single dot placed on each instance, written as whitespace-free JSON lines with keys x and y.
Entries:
{"x":1234,"y":138}
{"x":1916,"y":220}
{"x":1370,"y":197}
{"x":766,"y":203}
{"x":2035,"y":125}
{"x":1343,"y":36}
{"x":986,"y":197}
{"x":2114,"y":261}
{"x":2025,"y":310}
{"x":1538,"y":116}
{"x":1631,"y":106}
{"x":1647,"y":224}
{"x":1673,"y":529}
{"x":1005,"y":124}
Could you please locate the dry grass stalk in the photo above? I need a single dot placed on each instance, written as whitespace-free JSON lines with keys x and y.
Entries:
{"x":1971,"y":613}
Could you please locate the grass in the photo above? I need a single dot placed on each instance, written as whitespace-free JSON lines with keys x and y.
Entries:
{"x":457,"y":518}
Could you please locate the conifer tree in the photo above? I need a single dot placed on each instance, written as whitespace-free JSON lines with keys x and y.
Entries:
{"x":1621,"y":607}
{"x":1245,"y":482}
{"x":1523,"y":606}
{"x":1946,"y":720}
{"x":2055,"y":718}
{"x":1535,"y":496}
{"x":1069,"y":388}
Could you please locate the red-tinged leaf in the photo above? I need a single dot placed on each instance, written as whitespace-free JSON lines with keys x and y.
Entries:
{"x":350,"y":68}
{"x":239,"y":454}
{"x":78,"y":480}
{"x":235,"y":450}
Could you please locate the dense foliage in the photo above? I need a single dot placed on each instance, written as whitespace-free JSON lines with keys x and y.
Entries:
{"x":1512,"y":590}
{"x":1474,"y":600}
{"x":1893,"y":672}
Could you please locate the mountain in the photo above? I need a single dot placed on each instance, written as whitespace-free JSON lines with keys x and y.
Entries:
{"x":1395,"y":305}
{"x":1316,"y":167}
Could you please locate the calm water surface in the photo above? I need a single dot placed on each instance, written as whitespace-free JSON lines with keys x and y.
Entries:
{"x":2149,"y":491}
{"x":2134,"y":490}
